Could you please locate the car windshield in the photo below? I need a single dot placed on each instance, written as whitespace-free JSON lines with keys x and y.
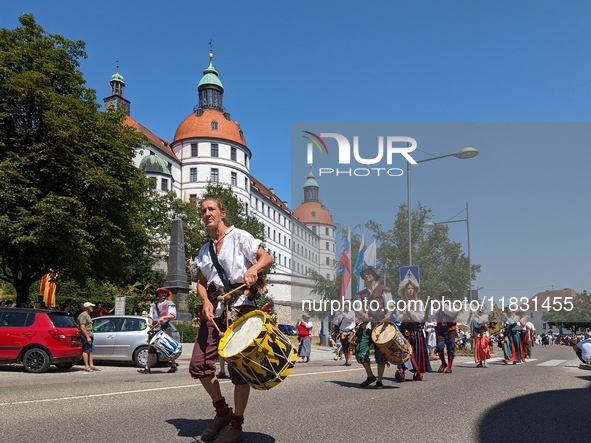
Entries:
{"x":62,"y":321}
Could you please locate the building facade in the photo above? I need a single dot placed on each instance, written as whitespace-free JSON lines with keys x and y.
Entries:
{"x":210,"y":146}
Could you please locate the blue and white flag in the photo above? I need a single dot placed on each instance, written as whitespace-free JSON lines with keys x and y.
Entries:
{"x":359,"y":264}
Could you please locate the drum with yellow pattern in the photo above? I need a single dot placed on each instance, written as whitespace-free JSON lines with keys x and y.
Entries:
{"x":260,"y":353}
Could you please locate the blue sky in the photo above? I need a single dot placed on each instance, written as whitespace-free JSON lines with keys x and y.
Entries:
{"x":393,"y":61}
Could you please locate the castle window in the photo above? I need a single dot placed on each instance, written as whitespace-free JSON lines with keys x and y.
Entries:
{"x":327,"y":246}
{"x":233,"y":154}
{"x":193,"y":175}
{"x":214,"y":125}
{"x":326,"y":231}
{"x":194,"y":150}
{"x":214,"y":150}
{"x":215,"y":176}
{"x":164,"y":183}
{"x":234,"y":179}
{"x":193,"y":199}
{"x":327,"y":277}
{"x":246,"y":183}
{"x":314,"y":229}
{"x":327,"y":261}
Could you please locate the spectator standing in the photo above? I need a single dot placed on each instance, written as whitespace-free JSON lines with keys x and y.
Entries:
{"x":9,"y":304}
{"x":87,"y":337}
{"x":2,"y":304}
{"x":305,"y":336}
{"x":99,"y":311}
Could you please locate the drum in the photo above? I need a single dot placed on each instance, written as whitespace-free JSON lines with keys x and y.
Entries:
{"x":167,"y":345}
{"x":392,"y":343}
{"x":258,"y":351}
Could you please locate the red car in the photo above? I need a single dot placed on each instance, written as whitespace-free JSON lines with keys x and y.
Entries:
{"x":38,"y":338}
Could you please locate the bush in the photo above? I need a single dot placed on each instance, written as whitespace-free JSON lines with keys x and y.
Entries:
{"x":589,"y":361}
{"x":188,"y":333}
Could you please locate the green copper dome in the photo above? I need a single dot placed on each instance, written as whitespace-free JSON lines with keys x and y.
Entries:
{"x":117,"y":77}
{"x":210,"y":77}
{"x":153,"y":163}
{"x":311,"y":180}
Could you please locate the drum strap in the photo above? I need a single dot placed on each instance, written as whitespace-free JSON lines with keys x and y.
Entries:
{"x":218,"y":267}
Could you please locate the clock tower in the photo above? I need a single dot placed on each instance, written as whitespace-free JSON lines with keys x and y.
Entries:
{"x":116,"y":99}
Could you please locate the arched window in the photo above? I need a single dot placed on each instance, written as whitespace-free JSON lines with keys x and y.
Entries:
{"x":214,"y":125}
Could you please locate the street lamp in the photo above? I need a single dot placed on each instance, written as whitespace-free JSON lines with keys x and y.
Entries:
{"x":467,"y":220}
{"x":465,"y":153}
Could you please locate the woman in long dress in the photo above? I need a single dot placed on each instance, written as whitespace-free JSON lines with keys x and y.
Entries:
{"x":305,"y":336}
{"x":479,"y":319}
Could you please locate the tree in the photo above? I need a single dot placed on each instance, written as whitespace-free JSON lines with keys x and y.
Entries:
{"x":442,"y":264}
{"x":577,"y":317}
{"x":70,"y":196}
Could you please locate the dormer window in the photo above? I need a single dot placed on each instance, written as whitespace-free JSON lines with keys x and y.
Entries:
{"x":214,"y":125}
{"x":313,"y":213}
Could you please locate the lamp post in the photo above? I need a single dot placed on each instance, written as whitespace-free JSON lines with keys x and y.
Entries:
{"x":465,"y":153}
{"x":467,"y":220}
{"x":386,"y":237}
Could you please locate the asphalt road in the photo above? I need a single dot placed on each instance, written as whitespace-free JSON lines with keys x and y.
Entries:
{"x":319,"y":402}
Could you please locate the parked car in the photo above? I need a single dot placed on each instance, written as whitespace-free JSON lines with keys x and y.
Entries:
{"x":288,"y":329}
{"x":38,"y":338}
{"x":124,"y":338}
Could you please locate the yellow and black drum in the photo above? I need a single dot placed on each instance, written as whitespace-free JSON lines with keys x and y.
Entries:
{"x":260,"y":353}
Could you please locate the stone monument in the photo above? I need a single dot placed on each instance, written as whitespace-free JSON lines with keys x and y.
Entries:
{"x":176,"y":277}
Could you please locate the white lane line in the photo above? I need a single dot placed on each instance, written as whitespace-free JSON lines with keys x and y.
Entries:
{"x":107,"y":394}
{"x":551,"y":363}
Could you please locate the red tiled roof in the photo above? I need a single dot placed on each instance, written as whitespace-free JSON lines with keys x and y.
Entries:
{"x":254,"y":183}
{"x":541,"y":297}
{"x":197,"y":127}
{"x":321,"y":214}
{"x":157,"y":142}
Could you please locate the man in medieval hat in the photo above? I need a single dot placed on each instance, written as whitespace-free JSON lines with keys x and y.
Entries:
{"x":369,"y":319}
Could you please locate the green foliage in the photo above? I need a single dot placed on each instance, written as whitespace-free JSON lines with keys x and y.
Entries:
{"x":578,"y":317}
{"x":442,"y":263}
{"x":70,"y":196}
{"x":188,"y":332}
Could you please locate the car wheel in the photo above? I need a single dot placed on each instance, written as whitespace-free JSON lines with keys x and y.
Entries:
{"x":36,"y":360}
{"x":140,"y":357}
{"x":64,"y":366}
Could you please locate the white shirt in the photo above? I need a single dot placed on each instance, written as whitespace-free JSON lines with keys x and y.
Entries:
{"x":479,"y":321}
{"x":585,"y":346}
{"x":512,"y":320}
{"x":346,"y":320}
{"x":165,"y":308}
{"x":386,"y":296}
{"x":530,"y":326}
{"x":237,"y":255}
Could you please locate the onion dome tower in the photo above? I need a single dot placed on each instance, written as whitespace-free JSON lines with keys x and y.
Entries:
{"x":212,"y":145}
{"x":116,"y":100}
{"x":317,"y":218}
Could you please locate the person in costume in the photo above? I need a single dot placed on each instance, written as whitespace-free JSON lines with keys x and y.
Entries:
{"x":511,"y":343}
{"x":345,"y":321}
{"x":410,"y":326}
{"x":159,"y":318}
{"x":240,"y":258}
{"x":304,"y":326}
{"x":368,"y":320}
{"x":479,"y":319}
{"x":430,"y":327}
{"x":523,"y":335}
{"x":447,"y":331}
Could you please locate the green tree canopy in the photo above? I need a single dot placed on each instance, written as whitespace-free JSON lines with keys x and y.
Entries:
{"x":577,"y":317}
{"x":69,"y":193}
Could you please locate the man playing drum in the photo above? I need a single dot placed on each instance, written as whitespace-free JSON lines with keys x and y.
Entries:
{"x":241,"y":258}
{"x":380,"y":295}
{"x":160,"y":314}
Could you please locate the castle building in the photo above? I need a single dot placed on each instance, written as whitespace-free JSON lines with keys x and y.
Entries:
{"x":210,"y":146}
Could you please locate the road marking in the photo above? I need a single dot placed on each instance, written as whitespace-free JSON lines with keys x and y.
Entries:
{"x":551,"y":363}
{"x":107,"y":394}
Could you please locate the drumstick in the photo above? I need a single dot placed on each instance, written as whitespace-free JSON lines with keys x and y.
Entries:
{"x":225,"y":296}
{"x":215,"y":324}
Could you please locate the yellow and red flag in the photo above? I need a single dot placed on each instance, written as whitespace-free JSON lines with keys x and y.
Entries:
{"x":48,"y":289}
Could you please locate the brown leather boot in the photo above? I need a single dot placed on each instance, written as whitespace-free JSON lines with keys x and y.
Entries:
{"x":234,"y":434}
{"x":217,"y":425}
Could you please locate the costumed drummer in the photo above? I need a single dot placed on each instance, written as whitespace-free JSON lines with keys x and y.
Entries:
{"x":241,"y":258}
{"x":370,"y":319}
{"x":410,"y":325}
{"x":159,"y":317}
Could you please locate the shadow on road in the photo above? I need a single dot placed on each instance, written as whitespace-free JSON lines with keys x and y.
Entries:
{"x":194,"y":429}
{"x":557,"y":416}
{"x":346,"y":384}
